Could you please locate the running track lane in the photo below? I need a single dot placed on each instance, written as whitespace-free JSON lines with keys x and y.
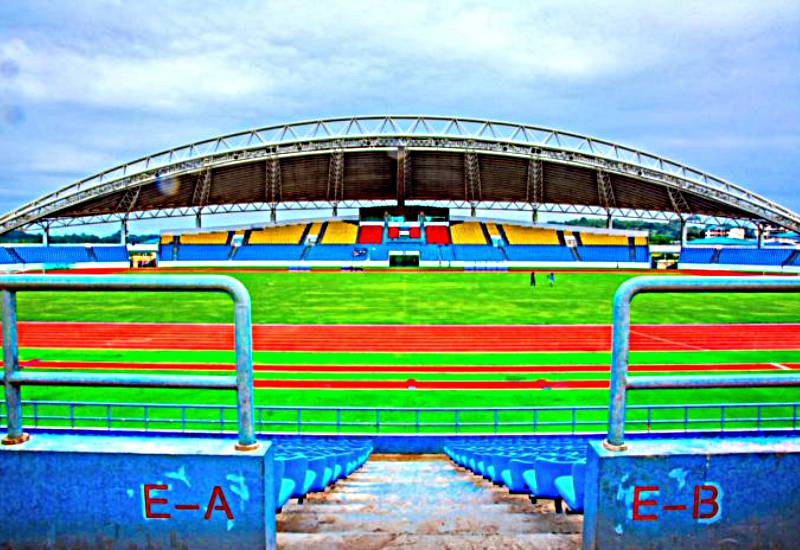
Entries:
{"x":449,"y":369}
{"x":405,"y":338}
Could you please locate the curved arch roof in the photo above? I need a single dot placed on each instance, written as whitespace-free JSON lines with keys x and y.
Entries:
{"x":352,"y":161}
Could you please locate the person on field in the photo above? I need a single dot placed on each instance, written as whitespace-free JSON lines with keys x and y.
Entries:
{"x":552,"y":278}
{"x":533,"y":279}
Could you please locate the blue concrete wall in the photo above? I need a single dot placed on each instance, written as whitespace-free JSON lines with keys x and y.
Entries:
{"x":64,"y":491}
{"x":732,"y":492}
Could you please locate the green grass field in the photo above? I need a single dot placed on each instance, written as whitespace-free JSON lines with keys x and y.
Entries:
{"x":426,"y":298}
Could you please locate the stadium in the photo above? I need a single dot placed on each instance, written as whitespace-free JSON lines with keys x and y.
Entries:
{"x":406,"y":302}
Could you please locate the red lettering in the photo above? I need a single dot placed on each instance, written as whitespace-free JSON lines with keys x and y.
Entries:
{"x":222,"y":506}
{"x":710,"y":500}
{"x":150,"y":501}
{"x":638,"y":502}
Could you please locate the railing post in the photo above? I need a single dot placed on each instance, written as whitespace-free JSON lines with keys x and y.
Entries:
{"x":416,"y":419}
{"x":457,"y":421}
{"x":243,"y":336}
{"x":535,"y":420}
{"x":338,"y":421}
{"x":299,"y":419}
{"x":496,"y":420}
{"x":620,"y":334}
{"x":377,"y":421}
{"x":10,"y":366}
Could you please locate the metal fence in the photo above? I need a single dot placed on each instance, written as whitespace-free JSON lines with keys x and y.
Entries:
{"x":141,"y":417}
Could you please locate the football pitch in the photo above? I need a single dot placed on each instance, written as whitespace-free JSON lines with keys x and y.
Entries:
{"x":514,"y":346}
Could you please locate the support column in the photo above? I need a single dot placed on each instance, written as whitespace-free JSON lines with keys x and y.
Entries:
{"x":46,"y":235}
{"x":760,"y":235}
{"x":684,"y":232}
{"x":609,"y":220}
{"x":273,"y":214}
{"x":123,"y":232}
{"x":198,"y":218}
{"x":534,"y":215}
{"x":402,"y":168}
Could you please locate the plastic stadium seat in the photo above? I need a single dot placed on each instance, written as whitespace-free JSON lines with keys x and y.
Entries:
{"x":593,"y":239}
{"x":539,"y":253}
{"x":571,"y":487}
{"x":334,"y":253}
{"x":111,"y":253}
{"x":53,"y":254}
{"x":220,"y":237}
{"x":437,"y":234}
{"x":754,"y":256}
{"x":269,"y":252}
{"x":477,"y":253}
{"x":517,"y":234}
{"x":284,"y":486}
{"x":5,"y":257}
{"x":603,"y":253}
{"x":370,"y":234}
{"x":696,"y":255}
{"x":295,"y":468}
{"x":340,"y":233}
{"x":281,"y":234}
{"x":203,"y":252}
{"x":467,"y":233}
{"x":394,"y":232}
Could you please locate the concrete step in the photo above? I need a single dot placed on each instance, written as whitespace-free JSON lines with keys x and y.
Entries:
{"x":422,"y":503}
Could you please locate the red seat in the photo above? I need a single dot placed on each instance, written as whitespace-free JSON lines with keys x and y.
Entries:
{"x":394,"y":232}
{"x":437,"y":234}
{"x":370,"y":234}
{"x":414,"y":232}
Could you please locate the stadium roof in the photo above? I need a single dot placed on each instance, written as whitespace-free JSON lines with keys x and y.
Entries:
{"x":363,"y":161}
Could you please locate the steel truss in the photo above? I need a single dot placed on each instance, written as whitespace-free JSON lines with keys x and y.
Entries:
{"x":336,"y":135}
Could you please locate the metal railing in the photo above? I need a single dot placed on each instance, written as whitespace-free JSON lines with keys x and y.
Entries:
{"x":147,"y":417}
{"x":14,"y":378}
{"x":621,"y":382}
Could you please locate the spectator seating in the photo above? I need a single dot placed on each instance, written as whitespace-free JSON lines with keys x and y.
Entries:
{"x":6,"y":257}
{"x":165,"y":252}
{"x":696,"y":255}
{"x":111,"y":253}
{"x":477,"y":253}
{"x":467,"y":233}
{"x":269,"y":252}
{"x":540,"y":253}
{"x":53,"y":254}
{"x":393,"y":232}
{"x":414,"y":232}
{"x":314,"y":231}
{"x":218,"y":237}
{"x":334,"y":252}
{"x":340,"y":233}
{"x":279,"y":234}
{"x":201,"y":252}
{"x":604,"y":253}
{"x":370,"y":234}
{"x":494,"y":232}
{"x":521,"y":235}
{"x":753,"y":256}
{"x":601,"y":239}
{"x":546,"y":468}
{"x":642,"y":254}
{"x":305,"y":465}
{"x":437,"y":234}
{"x":167,"y":238}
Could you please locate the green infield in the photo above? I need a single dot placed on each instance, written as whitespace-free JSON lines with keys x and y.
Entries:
{"x":383,"y":297}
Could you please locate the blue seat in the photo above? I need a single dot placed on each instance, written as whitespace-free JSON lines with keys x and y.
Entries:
{"x":283,"y":485}
{"x":571,"y":487}
{"x":296,"y":467}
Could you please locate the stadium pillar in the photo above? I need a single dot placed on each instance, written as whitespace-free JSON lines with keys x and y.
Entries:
{"x":46,"y":235}
{"x":684,"y":231}
{"x":534,"y":215}
{"x":335,"y":210}
{"x":610,"y":220}
{"x":123,"y":232}
{"x":273,"y":213}
{"x":198,"y":218}
{"x":760,"y":235}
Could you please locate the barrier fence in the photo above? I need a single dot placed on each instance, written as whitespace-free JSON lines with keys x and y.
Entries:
{"x":620,"y":344}
{"x":141,"y":417}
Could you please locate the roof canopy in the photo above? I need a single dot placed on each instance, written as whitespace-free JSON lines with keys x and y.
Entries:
{"x":360,"y":161}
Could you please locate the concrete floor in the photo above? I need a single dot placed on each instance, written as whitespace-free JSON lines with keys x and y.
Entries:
{"x":413,"y":501}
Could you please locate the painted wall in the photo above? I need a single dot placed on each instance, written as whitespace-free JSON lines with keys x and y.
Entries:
{"x":65,"y":491}
{"x":694,"y":493}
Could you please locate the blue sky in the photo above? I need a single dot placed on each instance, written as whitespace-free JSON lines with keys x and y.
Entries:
{"x":88,"y":84}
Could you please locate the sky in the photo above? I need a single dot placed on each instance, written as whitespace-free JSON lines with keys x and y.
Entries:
{"x":87,"y":85}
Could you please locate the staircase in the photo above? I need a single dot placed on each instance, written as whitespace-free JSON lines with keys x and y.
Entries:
{"x":422,"y":501}
{"x":792,"y":259}
{"x":715,"y":256}
{"x":632,"y":249}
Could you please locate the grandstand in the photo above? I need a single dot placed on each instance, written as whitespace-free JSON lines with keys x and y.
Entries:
{"x":32,"y":257}
{"x":474,"y":245}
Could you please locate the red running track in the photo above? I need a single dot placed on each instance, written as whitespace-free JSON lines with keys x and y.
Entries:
{"x":449,"y":369}
{"x":405,"y":338}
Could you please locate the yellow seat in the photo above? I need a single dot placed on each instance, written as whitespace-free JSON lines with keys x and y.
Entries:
{"x":640,"y":241}
{"x":166,"y":239}
{"x":467,"y":233}
{"x":340,"y":233}
{"x":494,"y":232}
{"x":590,"y":239}
{"x":281,"y":234}
{"x":220,"y":237}
{"x":517,"y":234}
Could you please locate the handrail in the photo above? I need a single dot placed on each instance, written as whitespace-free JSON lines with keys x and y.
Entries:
{"x":14,"y":378}
{"x":620,"y":382}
